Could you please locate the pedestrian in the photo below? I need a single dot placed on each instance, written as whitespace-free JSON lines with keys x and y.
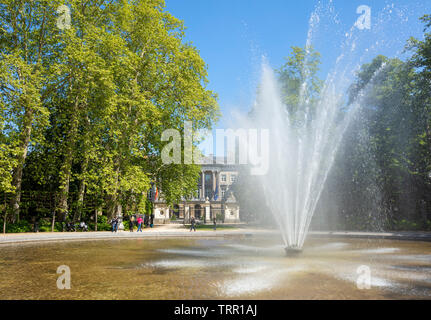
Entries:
{"x":139,"y":224}
{"x":114,"y":222}
{"x":151,"y":220}
{"x":117,"y":224}
{"x":193,"y":224}
{"x":132,"y":223}
{"x":215,"y":223}
{"x":146,"y":220}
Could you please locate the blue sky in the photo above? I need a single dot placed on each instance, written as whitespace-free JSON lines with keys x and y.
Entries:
{"x":232,"y":36}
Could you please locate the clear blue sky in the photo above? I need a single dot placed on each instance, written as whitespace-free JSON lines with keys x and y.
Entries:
{"x":232,"y":36}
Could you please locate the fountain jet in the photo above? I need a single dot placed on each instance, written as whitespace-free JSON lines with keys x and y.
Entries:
{"x":292,"y":251}
{"x":304,"y":137}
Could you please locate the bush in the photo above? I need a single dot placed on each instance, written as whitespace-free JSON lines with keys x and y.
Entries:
{"x":21,"y":226}
{"x":220,"y":217}
{"x":45,"y":229}
{"x":405,"y":225}
{"x":45,"y":226}
{"x":100,"y":226}
{"x":102,"y":219}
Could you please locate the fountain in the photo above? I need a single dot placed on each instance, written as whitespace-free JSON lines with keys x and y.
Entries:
{"x":303,"y":146}
{"x":292,"y":251}
{"x":301,"y":155}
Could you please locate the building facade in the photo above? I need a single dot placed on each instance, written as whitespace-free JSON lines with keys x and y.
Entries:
{"x":215,"y":198}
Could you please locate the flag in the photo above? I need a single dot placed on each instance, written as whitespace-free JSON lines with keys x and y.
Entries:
{"x":216,"y":192}
{"x":157,"y":194}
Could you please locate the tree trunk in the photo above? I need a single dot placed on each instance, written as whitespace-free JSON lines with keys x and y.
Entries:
{"x":95,"y":218}
{"x":113,"y":198}
{"x":78,"y":213}
{"x":4,"y":222}
{"x":5,"y":215}
{"x":53,"y":221}
{"x":52,"y":209}
{"x":112,"y":204}
{"x":17,"y":172}
{"x":66,"y":168}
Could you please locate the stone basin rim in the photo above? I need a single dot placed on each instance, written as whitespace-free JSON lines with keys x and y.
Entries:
{"x":103,"y":235}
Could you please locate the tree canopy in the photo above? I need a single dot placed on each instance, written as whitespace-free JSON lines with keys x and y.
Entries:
{"x":84,"y":104}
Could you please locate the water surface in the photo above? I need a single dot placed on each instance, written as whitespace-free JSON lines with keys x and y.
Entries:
{"x":253,"y":268}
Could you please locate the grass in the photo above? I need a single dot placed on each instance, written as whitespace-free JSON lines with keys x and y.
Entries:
{"x":210,"y":227}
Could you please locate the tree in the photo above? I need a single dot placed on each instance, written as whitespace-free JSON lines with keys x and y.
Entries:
{"x":28,"y":40}
{"x":300,"y":86}
{"x":84,"y":107}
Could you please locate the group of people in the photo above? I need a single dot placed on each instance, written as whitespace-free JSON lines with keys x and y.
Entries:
{"x":193,"y":224}
{"x":145,"y":221}
{"x":141,"y":221}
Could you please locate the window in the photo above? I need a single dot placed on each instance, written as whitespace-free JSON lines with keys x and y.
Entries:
{"x":232,"y":178}
{"x":207,"y":178}
{"x":223,"y":178}
{"x":207,"y":193}
{"x":223,"y":191}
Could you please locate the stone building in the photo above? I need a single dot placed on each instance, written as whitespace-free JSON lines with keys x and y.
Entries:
{"x":214,"y":197}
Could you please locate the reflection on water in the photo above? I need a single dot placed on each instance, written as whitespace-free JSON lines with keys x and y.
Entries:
{"x":254,"y":268}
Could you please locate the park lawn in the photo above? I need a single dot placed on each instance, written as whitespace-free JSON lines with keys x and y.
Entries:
{"x":210,"y":227}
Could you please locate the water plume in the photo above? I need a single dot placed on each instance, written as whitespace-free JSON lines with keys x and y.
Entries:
{"x":303,"y":145}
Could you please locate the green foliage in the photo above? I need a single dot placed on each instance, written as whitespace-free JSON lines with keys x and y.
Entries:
{"x":102,"y":224}
{"x":219,"y":217}
{"x":82,"y":109}
{"x":382,"y":176}
{"x":21,"y":226}
{"x":300,"y":85}
{"x":126,"y":225}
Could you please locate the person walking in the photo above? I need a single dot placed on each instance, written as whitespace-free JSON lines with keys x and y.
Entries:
{"x":151,"y":220}
{"x":215,"y":223}
{"x":140,"y":224}
{"x":193,"y":224}
{"x":132,"y":223}
{"x":117,"y":223}
{"x":114,"y":222}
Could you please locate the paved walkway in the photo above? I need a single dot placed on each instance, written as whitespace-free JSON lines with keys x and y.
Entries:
{"x":160,"y":231}
{"x":176,"y":230}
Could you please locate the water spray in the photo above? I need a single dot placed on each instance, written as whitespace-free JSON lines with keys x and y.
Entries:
{"x":292,"y":251}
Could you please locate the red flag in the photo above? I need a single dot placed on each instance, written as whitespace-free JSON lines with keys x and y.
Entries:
{"x":157,"y":194}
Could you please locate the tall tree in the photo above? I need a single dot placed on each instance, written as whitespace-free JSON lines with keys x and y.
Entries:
{"x":28,"y":42}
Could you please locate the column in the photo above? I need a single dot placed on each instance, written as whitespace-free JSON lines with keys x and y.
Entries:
{"x":203,"y":185}
{"x":218,"y":186}
{"x":207,"y":213}
{"x":186,"y":213}
{"x":214,"y":183}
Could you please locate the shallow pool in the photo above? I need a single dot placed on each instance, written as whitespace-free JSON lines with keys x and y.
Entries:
{"x":252,"y":268}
